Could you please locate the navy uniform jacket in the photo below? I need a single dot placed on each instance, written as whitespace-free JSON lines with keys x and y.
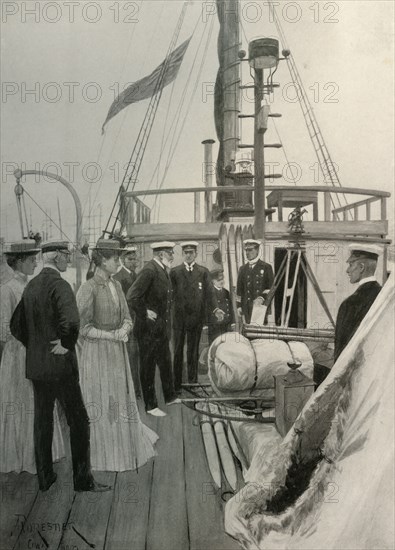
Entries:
{"x":47,"y":311}
{"x":151,"y":290}
{"x":352,"y":311}
{"x":190,"y":294}
{"x":251,"y":283}
{"x":219,"y":299}
{"x":126,"y":278}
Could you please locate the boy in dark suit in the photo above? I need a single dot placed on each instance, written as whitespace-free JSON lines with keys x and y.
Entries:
{"x":220,"y":312}
{"x":190,"y":283}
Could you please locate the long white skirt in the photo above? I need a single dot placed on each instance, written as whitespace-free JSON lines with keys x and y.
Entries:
{"x":17,"y":414}
{"x":119,"y":440}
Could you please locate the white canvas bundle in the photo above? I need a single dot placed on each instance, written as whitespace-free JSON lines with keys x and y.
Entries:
{"x":234,"y":361}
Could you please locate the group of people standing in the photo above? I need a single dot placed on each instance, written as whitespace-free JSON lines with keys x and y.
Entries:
{"x":82,"y":353}
{"x":92,"y":352}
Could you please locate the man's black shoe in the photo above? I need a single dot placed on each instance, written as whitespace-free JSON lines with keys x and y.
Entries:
{"x":94,"y":487}
{"x":48,"y":482}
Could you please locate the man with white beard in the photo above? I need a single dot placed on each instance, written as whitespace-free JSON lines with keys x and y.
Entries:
{"x":150,"y":298}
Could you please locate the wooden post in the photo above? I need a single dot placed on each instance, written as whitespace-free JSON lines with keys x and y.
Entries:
{"x":208,"y":178}
{"x":259,"y":161}
{"x":327,"y":207}
{"x":383,"y":208}
{"x":368,"y":210}
{"x":197,"y":207}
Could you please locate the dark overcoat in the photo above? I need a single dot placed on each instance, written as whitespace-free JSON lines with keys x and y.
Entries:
{"x":352,"y":311}
{"x":251,"y":283}
{"x":47,"y":311}
{"x":126,"y":278}
{"x":151,"y":290}
{"x":219,"y":299}
{"x":190,"y":295}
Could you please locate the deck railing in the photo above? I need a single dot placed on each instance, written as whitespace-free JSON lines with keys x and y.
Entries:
{"x":355,"y":206}
{"x":329,"y":213}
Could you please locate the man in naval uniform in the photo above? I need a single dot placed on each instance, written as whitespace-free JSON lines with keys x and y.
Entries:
{"x":220,"y":313}
{"x":126,"y":276}
{"x":361,"y":268}
{"x":254,"y":281}
{"x":362,"y":265}
{"x":46,"y":321}
{"x":190,"y":283}
{"x":150,"y":299}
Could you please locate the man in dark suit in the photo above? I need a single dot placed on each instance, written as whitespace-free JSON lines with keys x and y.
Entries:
{"x":220,"y":312}
{"x":150,"y":299}
{"x":46,"y":321}
{"x":190,"y":283}
{"x":254,"y":280}
{"x":361,"y":268}
{"x":362,"y":265}
{"x":126,"y":276}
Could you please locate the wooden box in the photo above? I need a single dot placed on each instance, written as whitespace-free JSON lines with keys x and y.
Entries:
{"x":292,"y":391}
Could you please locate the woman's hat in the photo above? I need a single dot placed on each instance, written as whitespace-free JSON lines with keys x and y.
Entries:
{"x":25,"y":246}
{"x":108,"y":244}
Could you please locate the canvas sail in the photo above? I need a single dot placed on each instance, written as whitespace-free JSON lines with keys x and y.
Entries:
{"x":349,"y":425}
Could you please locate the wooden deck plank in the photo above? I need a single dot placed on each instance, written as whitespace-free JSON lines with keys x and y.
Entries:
{"x":128,"y":521}
{"x":129,"y":514}
{"x":47,"y":520}
{"x":168,"y":523}
{"x":204,"y":503}
{"x":18,"y":493}
{"x":89,"y":516}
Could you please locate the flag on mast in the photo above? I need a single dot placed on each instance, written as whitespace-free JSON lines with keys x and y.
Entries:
{"x":147,"y":86}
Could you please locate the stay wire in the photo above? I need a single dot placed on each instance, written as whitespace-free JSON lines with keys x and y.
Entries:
{"x":187,"y":111}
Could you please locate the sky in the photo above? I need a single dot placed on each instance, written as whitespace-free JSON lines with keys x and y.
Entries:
{"x":63,"y":63}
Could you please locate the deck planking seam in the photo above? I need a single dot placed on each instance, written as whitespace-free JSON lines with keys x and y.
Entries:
{"x":185,"y":480}
{"x":109,"y":514}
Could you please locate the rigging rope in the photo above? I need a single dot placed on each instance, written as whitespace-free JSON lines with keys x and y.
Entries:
{"x":71,"y":241}
{"x":103,"y":138}
{"x":173,"y":146}
{"x":137,"y":155}
{"x":325,"y":163}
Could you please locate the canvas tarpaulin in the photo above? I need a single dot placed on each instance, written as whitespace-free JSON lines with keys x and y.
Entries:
{"x":348,"y":428}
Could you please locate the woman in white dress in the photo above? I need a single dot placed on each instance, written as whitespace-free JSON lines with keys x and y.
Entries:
{"x":119,"y":440}
{"x":16,"y":392}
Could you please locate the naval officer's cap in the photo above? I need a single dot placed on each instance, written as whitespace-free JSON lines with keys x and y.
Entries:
{"x":364,"y":251}
{"x":25,"y":246}
{"x":163,"y":245}
{"x":189,"y":245}
{"x":251,"y":243}
{"x":129,"y":249}
{"x":55,"y":246}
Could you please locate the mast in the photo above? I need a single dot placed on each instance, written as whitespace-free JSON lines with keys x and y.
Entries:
{"x":227,"y":88}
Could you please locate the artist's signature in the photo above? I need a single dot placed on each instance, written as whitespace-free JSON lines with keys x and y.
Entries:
{"x":42,"y":528}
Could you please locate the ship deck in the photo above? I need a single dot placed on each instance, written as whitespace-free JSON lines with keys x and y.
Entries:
{"x":169,"y":504}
